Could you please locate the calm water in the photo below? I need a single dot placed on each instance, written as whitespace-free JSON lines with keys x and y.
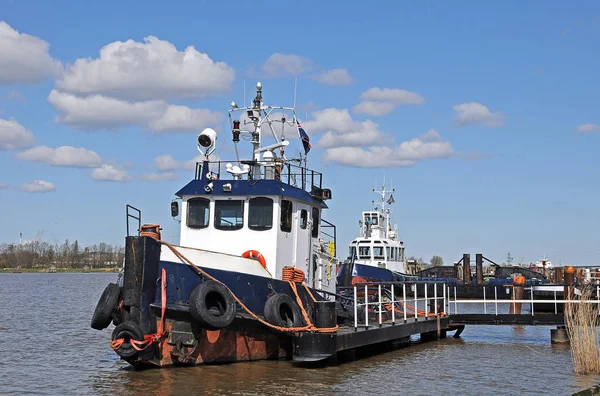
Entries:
{"x":47,"y":347}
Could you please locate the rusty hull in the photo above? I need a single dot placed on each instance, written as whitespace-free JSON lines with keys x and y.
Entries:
{"x":189,"y":345}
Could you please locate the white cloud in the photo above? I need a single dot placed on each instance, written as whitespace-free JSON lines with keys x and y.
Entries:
{"x":109,"y":172}
{"x":166,"y":163}
{"x":393,"y":95}
{"x":38,"y":186}
{"x":160,"y":176}
{"x":475,"y":113}
{"x":377,"y":101}
{"x":182,"y":118}
{"x":357,"y":138}
{"x":334,"y":77}
{"x":77,"y":157}
{"x":25,"y":58}
{"x":588,"y":128}
{"x":374,"y":108}
{"x":154,"y":69}
{"x":281,"y":65}
{"x":101,"y":112}
{"x":408,"y":153}
{"x":14,"y":136}
{"x":3,"y":186}
{"x":341,"y":130}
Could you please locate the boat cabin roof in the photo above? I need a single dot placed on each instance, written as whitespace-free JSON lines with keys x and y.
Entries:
{"x":284,"y":186}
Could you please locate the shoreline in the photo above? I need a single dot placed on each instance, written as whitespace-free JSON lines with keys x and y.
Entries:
{"x":59,"y":270}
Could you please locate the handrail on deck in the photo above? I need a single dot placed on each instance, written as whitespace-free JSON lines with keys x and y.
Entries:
{"x":531,"y":300}
{"x":386,"y":296}
{"x":288,"y":173}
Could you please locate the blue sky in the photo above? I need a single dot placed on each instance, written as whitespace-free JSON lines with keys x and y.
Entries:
{"x":484,"y":116}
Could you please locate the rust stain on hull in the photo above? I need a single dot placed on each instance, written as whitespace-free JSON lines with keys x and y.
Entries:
{"x":244,"y":340}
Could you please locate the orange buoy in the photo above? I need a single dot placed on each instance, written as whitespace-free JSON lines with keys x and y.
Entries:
{"x":256,"y":255}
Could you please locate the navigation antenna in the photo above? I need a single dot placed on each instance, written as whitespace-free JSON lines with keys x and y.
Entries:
{"x":509,"y":259}
{"x":384,"y":201}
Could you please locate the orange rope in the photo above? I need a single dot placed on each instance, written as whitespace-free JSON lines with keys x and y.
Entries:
{"x":149,"y":339}
{"x":308,"y":327}
{"x":292,"y":274}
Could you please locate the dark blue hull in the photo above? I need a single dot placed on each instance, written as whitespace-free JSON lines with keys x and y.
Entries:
{"x":188,"y":342}
{"x":252,"y":290}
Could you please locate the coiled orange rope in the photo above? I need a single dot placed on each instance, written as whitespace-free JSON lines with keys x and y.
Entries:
{"x":292,"y":274}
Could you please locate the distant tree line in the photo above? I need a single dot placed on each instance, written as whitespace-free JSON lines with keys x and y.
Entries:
{"x":37,"y":254}
{"x":436,"y":261}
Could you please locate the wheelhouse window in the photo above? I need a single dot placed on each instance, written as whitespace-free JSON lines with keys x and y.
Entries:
{"x":198,"y":212}
{"x":315,"y":222}
{"x":229,"y":215}
{"x":364,"y":252}
{"x":286,"y":215}
{"x":303,"y":219}
{"x":378,"y":252}
{"x":388,"y":253}
{"x":260,"y":214}
{"x":352,"y":252}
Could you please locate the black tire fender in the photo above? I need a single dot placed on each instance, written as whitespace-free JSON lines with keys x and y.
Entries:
{"x":212,"y":305}
{"x":127,"y":331}
{"x":281,"y":310}
{"x":105,"y":307}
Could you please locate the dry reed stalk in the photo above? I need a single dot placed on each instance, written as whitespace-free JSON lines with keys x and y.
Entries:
{"x":581,"y":321}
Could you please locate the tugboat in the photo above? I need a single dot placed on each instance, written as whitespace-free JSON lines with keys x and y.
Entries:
{"x":377,"y":255}
{"x":251,"y":263}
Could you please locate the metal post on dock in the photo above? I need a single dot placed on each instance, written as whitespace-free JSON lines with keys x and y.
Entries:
{"x":393,"y":306}
{"x":435,"y":299}
{"x":479,"y":268}
{"x":366,"y":308}
{"x":355,"y":310}
{"x":558,"y":275}
{"x":484,"y":302}
{"x":380,"y":311}
{"x":466,"y":262}
{"x":569,"y":274}
{"x":518,"y":288}
{"x":496,"y":298}
{"x":455,"y":303}
{"x":416,"y":302}
{"x":404,"y":300}
{"x":426,"y":300}
{"x":445,"y":303}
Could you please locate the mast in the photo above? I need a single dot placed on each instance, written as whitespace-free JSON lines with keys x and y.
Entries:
{"x":385,"y":211}
{"x":255,"y":114}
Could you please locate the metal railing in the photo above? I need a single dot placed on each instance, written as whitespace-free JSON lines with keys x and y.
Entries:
{"x":495,"y":301}
{"x":331,"y":236}
{"x":388,"y":297}
{"x":129,"y":215}
{"x":293,"y":175}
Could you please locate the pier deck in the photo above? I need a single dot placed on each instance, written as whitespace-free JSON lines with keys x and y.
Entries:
{"x":319,"y":346}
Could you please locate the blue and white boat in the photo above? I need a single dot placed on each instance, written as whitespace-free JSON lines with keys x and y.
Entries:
{"x":377,"y":254}
{"x":253,"y":257}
